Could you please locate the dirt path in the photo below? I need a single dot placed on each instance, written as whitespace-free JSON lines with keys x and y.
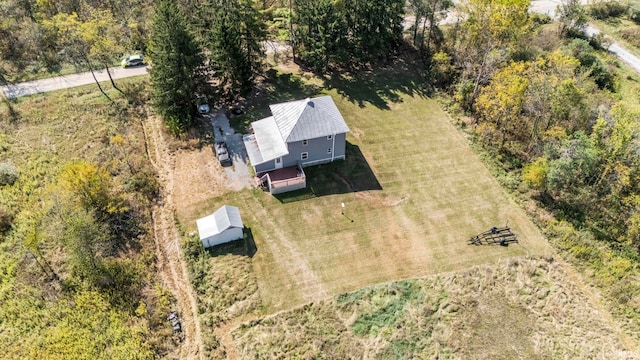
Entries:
{"x":171,"y":266}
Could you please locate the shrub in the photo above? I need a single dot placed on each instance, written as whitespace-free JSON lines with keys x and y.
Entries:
{"x":606,"y":9}
{"x":441,"y":69}
{"x":599,"y":41}
{"x":535,"y":174}
{"x":604,"y":77}
{"x":6,"y":219}
{"x":541,"y":19}
{"x":634,"y":15}
{"x":8,"y":173}
{"x":145,"y":183}
{"x":632,"y":34}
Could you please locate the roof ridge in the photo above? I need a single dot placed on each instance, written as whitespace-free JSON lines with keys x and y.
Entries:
{"x":327,"y":114}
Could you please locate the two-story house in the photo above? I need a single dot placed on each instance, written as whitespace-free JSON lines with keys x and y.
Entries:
{"x":298,"y":134}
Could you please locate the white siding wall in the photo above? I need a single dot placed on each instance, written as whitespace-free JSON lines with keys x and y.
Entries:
{"x":224,"y":237}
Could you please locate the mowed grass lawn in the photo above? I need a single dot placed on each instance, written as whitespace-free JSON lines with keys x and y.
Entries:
{"x":433,"y":194}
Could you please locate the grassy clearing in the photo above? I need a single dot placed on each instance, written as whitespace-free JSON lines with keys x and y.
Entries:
{"x":629,"y":91}
{"x":414,"y":193}
{"x":518,"y":308}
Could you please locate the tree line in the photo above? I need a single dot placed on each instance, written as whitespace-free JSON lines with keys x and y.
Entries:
{"x":552,"y":113}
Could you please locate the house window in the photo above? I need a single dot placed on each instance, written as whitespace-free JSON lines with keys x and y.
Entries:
{"x":305,"y":142}
{"x":304,"y":156}
{"x":329,"y":151}
{"x":329,"y":137}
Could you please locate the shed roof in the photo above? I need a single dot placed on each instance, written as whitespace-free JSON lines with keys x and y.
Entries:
{"x":308,"y":119}
{"x":222,"y":219}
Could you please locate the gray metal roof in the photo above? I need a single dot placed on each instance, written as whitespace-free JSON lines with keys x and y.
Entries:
{"x":222,"y":219}
{"x":308,"y":119}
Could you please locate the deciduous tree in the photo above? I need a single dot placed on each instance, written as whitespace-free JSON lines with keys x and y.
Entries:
{"x":572,"y":18}
{"x":489,"y":33}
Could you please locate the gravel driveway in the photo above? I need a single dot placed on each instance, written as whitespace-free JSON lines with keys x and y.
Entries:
{"x":238,"y":175}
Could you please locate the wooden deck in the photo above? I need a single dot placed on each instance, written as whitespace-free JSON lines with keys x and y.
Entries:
{"x":287,"y":173}
{"x":283,"y":180}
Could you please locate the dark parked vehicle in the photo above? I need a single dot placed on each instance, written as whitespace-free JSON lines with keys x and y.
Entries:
{"x":222,"y":153}
{"x":175,"y":322}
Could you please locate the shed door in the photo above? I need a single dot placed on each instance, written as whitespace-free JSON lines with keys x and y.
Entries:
{"x":278,"y":163}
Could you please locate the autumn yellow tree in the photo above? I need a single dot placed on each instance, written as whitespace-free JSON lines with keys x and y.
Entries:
{"x":489,"y":32}
{"x":525,"y":101}
{"x":500,"y":104}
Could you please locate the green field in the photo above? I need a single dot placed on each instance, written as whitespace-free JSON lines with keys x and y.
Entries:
{"x":413,"y":190}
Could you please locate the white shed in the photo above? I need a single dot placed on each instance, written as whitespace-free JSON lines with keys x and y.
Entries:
{"x":223,"y":226}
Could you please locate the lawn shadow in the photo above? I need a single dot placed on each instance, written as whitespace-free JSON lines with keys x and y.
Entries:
{"x":242,"y":247}
{"x":278,"y":88}
{"x":340,"y":177}
{"x":378,"y":87}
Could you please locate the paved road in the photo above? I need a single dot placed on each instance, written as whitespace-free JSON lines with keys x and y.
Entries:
{"x":549,"y":7}
{"x":615,"y":48}
{"x":67,"y":81}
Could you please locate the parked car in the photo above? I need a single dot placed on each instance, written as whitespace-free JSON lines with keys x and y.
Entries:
{"x":223,"y":153}
{"x":133,"y":60}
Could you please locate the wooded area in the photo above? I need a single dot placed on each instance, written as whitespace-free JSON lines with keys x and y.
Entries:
{"x":558,"y":116}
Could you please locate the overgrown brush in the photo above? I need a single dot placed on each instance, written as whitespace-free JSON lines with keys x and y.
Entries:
{"x":519,"y":308}
{"x":225,"y":285}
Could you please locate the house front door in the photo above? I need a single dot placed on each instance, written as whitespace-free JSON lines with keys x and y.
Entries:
{"x":279,"y":163}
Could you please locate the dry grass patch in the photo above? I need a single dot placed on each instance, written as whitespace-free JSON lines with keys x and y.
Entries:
{"x":197,"y":176}
{"x":519,"y":308}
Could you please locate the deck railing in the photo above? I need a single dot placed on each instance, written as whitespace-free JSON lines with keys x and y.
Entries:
{"x":277,"y":186}
{"x":287,"y":182}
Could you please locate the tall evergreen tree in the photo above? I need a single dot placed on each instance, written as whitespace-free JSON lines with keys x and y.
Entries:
{"x":321,"y":33}
{"x":178,"y":73}
{"x":375,"y":27}
{"x":346,"y":33}
{"x":234,"y":38}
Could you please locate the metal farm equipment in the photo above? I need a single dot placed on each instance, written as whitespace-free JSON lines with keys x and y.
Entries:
{"x":495,"y":236}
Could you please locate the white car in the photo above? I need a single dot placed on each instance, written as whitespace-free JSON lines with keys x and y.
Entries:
{"x":203,"y":109}
{"x":133,"y":60}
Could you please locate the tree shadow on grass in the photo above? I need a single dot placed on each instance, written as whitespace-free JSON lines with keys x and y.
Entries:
{"x":278,"y":88}
{"x":340,"y":177}
{"x":379,"y":87}
{"x":242,"y":247}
